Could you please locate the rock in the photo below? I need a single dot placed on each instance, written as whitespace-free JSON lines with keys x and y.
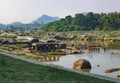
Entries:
{"x":82,"y":64}
{"x":119,"y":73}
{"x":112,"y":70}
{"x":112,"y":53}
{"x":117,"y":52}
{"x":98,"y":65}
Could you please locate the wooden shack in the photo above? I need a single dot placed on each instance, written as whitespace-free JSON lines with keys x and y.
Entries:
{"x":44,"y":46}
{"x":47,"y":46}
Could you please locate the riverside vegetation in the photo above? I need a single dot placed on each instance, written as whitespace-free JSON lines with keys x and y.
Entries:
{"x":86,"y":22}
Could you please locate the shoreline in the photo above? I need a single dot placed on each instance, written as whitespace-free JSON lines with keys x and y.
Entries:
{"x":60,"y":67}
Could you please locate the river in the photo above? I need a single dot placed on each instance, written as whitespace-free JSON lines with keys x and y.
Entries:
{"x":105,"y":60}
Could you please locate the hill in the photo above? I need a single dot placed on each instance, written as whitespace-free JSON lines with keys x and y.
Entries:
{"x":44,"y":19}
{"x":16,"y":23}
{"x":2,"y":25}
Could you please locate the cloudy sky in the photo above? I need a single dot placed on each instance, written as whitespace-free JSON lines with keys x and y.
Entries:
{"x":28,"y":10}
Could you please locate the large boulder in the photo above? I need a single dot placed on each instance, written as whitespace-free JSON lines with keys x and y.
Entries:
{"x":82,"y":64}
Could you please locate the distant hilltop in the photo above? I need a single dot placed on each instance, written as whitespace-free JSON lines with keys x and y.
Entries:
{"x":44,"y":19}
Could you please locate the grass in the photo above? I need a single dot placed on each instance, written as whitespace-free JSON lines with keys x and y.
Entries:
{"x":17,"y":71}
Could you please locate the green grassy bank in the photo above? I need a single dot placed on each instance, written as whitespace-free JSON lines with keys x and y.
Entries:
{"x":17,"y":71}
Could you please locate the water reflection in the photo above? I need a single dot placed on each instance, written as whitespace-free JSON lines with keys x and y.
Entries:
{"x":50,"y":58}
{"x":103,"y":58}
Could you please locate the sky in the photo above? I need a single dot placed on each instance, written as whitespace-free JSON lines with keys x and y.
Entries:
{"x":28,"y":10}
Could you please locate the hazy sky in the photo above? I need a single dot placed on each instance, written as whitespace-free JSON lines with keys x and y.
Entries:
{"x":28,"y":10}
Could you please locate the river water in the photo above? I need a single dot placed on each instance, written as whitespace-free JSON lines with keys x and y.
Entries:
{"x":105,"y":60}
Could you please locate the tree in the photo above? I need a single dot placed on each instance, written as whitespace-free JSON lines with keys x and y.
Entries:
{"x":90,"y":21}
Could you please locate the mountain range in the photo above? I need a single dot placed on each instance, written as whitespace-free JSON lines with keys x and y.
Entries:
{"x":44,"y":19}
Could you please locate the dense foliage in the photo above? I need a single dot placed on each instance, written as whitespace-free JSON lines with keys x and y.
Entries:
{"x":86,"y":22}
